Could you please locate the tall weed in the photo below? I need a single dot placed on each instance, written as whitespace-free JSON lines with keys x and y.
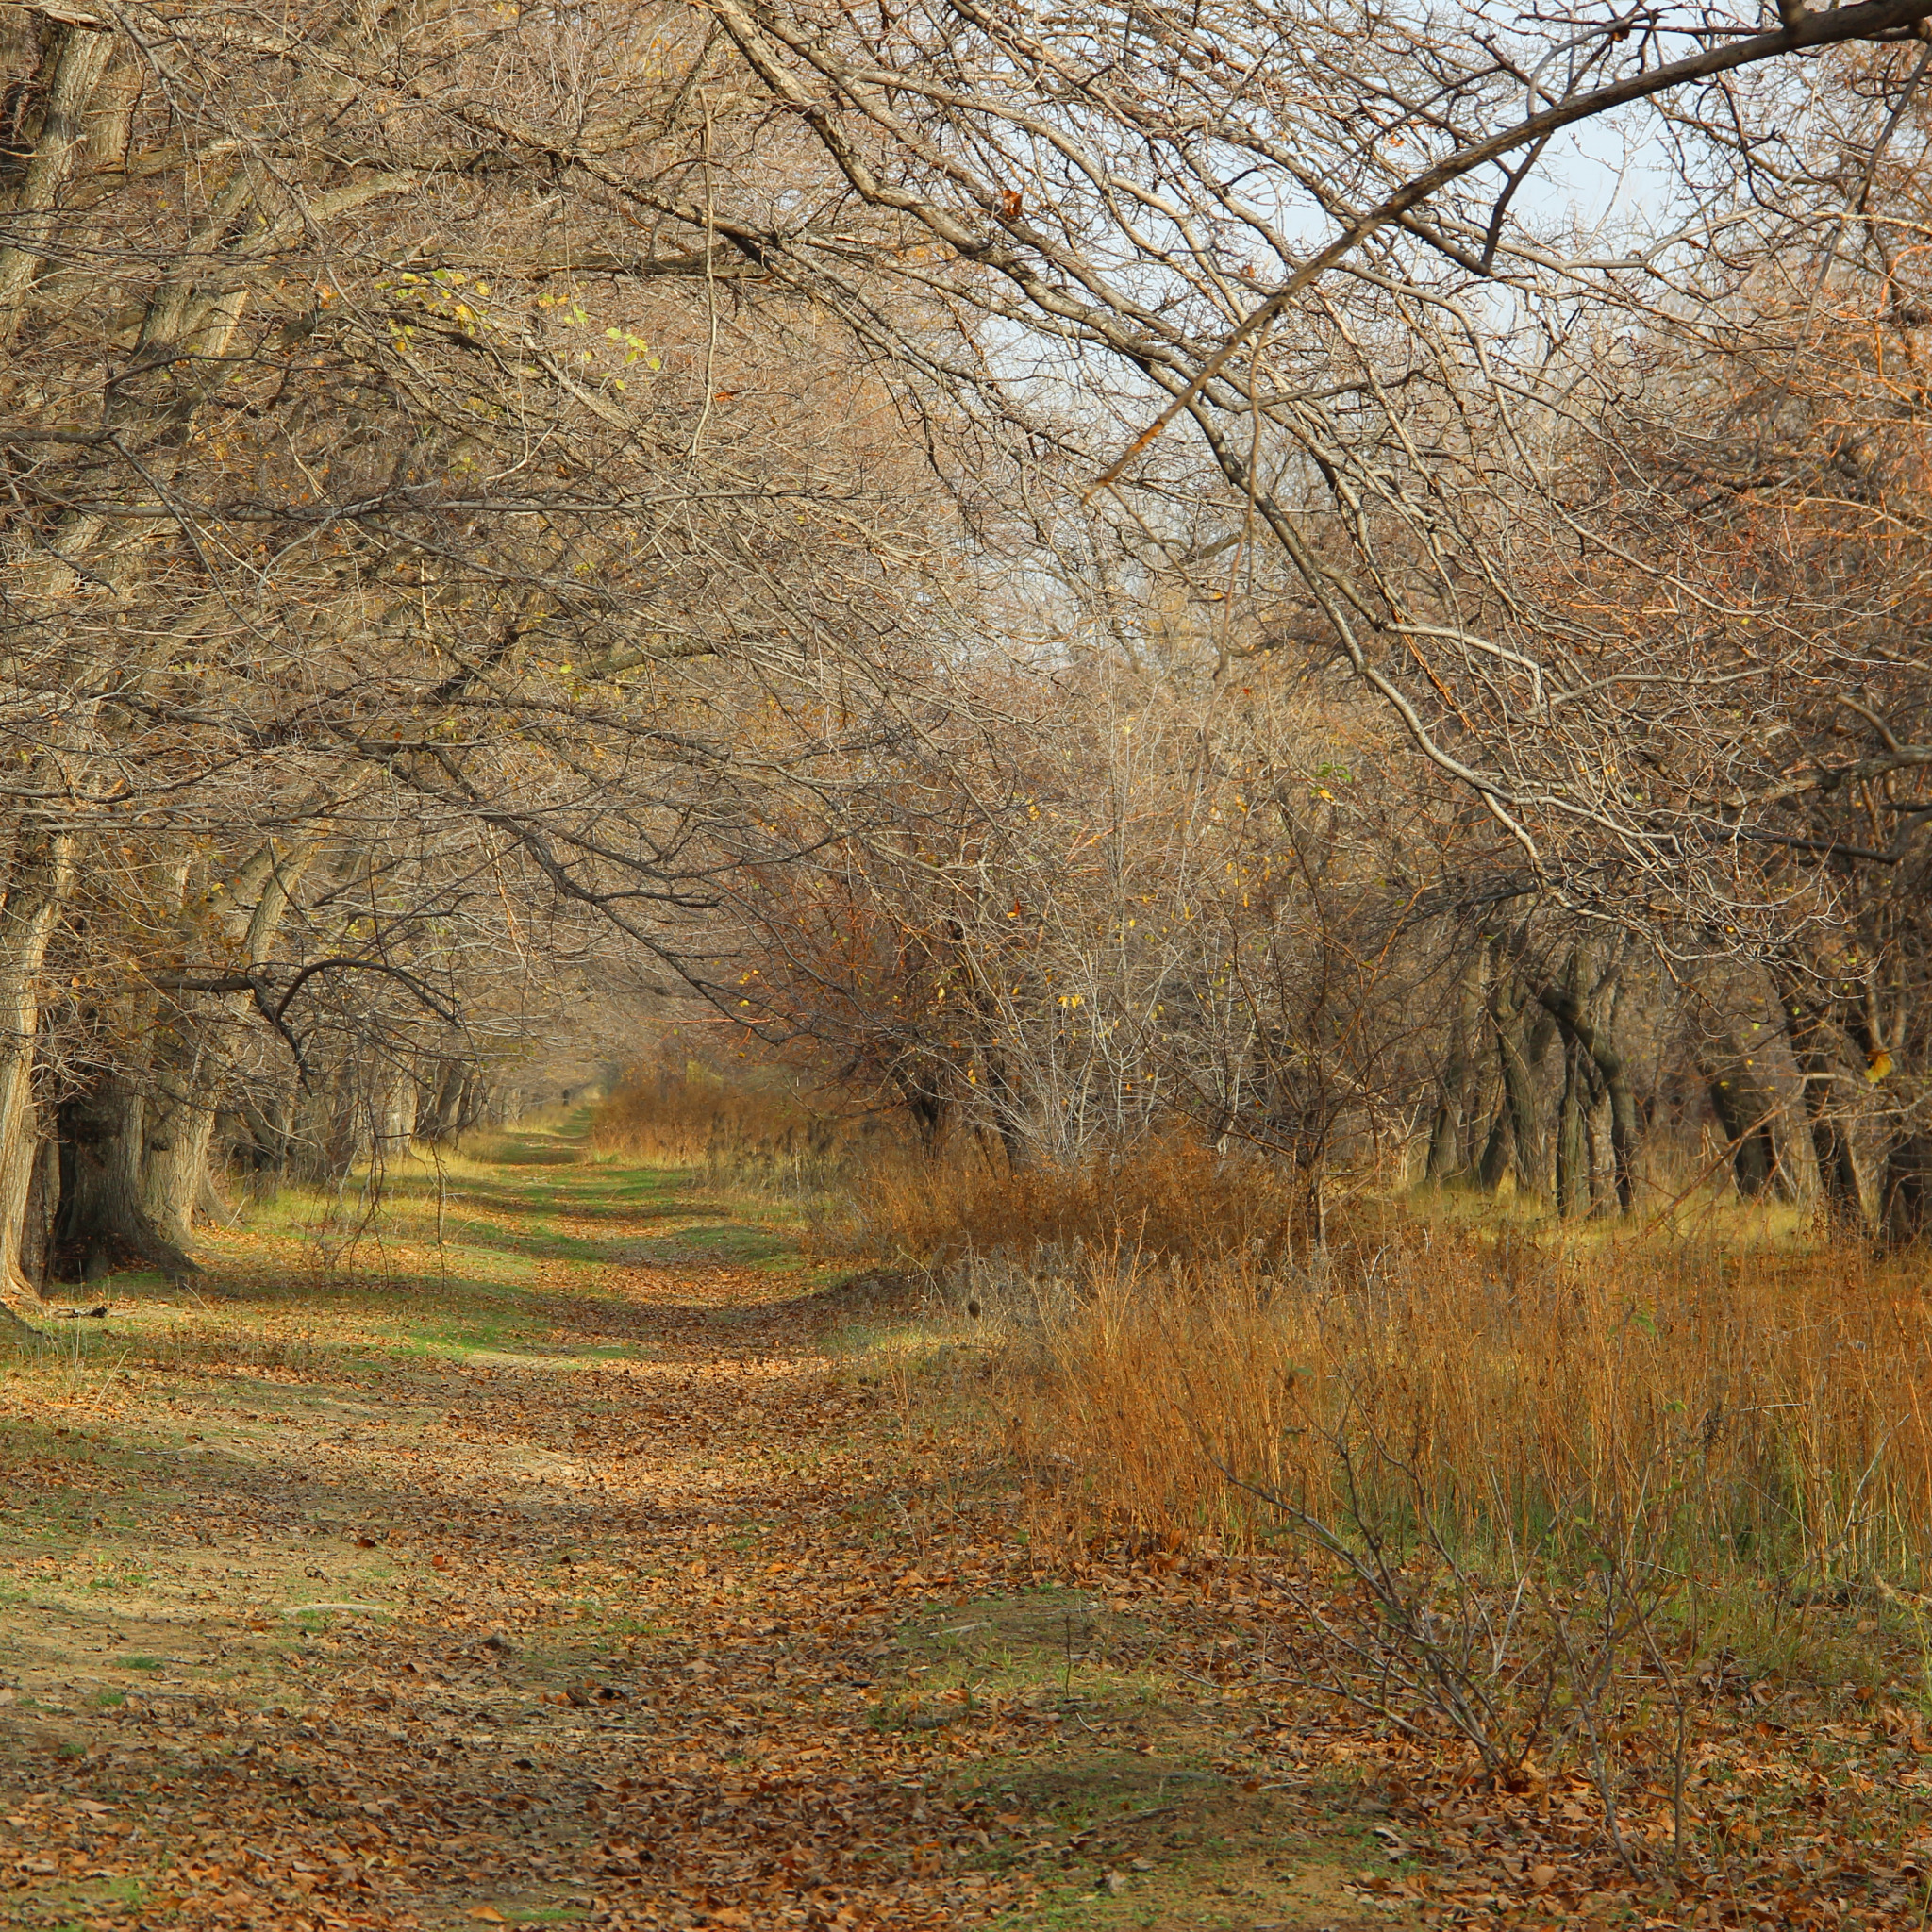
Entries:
{"x":1174,"y":1202}
{"x":1521,"y":1498}
{"x":1503,"y":1391}
{"x":760,"y":1139}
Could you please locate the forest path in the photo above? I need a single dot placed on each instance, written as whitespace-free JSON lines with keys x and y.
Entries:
{"x":596,"y":1563}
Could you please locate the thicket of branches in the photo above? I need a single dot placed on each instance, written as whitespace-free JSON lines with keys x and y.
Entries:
{"x":1087,"y":567}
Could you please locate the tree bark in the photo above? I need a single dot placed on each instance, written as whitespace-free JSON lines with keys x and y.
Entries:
{"x":1449,"y":1137}
{"x":43,"y":1207}
{"x":1494,"y":1159}
{"x":38,"y":884}
{"x":180,"y":1125}
{"x":442,"y":1121}
{"x":189,"y":1061}
{"x":1517,"y":1054}
{"x":929,"y":1112}
{"x":1572,"y":1131}
{"x":104,"y":1224}
{"x":79,"y":59}
{"x":1566,"y":1005}
{"x":1842,"y":1192}
{"x":336,"y":1123}
{"x":1745,"y":1107}
{"x":1572,"y":1137}
{"x":1905,"y":1211}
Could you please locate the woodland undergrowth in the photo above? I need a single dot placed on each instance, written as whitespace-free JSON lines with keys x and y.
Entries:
{"x":753,"y":1141}
{"x":618,"y":1542}
{"x":1541,"y":1502}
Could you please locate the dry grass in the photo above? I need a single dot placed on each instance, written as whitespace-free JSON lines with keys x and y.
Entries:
{"x":1759,"y":1404}
{"x":672,"y":1119}
{"x":1771,"y":1406}
{"x":1538,"y":1502}
{"x":1172,"y":1203}
{"x":1565,"y":1505}
{"x":762,"y":1140}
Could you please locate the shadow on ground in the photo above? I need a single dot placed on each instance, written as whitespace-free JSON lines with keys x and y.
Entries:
{"x":586,"y":1568}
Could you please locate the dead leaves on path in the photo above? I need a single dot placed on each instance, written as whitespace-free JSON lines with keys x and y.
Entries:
{"x":586,"y":1694}
{"x":1803,"y":1806}
{"x":625,"y":1638}
{"x":677,"y":1783}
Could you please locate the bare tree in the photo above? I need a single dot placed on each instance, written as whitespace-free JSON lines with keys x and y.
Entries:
{"x":579,"y":559}
{"x":1412,"y":416}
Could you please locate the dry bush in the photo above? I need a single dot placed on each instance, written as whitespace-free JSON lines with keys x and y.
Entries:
{"x":1173,"y":1203}
{"x":675,"y":1121}
{"x":1503,"y":1392}
{"x":751,"y":1138}
{"x":1532,"y":1490}
{"x":1176,"y":1333}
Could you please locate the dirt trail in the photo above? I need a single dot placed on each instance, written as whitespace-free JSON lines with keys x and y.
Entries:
{"x":595,"y":1564}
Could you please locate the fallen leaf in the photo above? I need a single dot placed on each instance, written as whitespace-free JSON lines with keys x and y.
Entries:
{"x":424,"y":1752}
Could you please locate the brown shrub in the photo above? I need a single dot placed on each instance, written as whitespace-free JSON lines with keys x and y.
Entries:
{"x":1772,"y":1403}
{"x":1174,"y":1202}
{"x":675,"y":1119}
{"x":755,"y":1137}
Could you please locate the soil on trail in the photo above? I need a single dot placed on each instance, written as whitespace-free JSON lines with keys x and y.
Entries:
{"x":603,"y":1560}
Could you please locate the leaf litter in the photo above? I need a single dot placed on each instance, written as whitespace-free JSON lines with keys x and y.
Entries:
{"x":662,"y":1604}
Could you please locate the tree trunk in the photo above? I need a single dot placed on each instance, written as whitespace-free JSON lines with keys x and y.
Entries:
{"x":1745,"y":1107}
{"x":263,"y":1137}
{"x":77,"y":64}
{"x":36,"y":888}
{"x":1517,"y":1053}
{"x":1494,"y":1159}
{"x":181,"y":1125}
{"x":1572,"y":1133}
{"x":1006,"y":1113}
{"x":335,"y":1126}
{"x":209,"y":1202}
{"x":475,"y":1097}
{"x":442,"y":1122}
{"x":43,"y":1207}
{"x":931,"y":1114}
{"x":1906,"y":1213}
{"x":396,"y":1117}
{"x":1449,"y":1137}
{"x":1841,"y":1193}
{"x":1572,"y":1137}
{"x":188,"y":1061}
{"x":19,"y":1171}
{"x":104,"y":1224}
{"x":1566,"y":1005}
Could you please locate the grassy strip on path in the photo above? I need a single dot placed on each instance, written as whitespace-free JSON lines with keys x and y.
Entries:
{"x":592,"y":1564}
